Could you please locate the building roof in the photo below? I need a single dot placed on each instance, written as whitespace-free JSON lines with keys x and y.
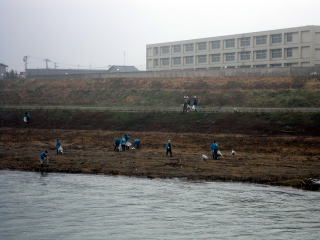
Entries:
{"x":115,"y":68}
{"x":236,"y":35}
{"x":3,"y":65}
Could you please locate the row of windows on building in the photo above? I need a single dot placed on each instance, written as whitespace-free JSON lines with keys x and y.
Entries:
{"x":216,"y":44}
{"x":274,"y":65}
{"x":228,"y":57}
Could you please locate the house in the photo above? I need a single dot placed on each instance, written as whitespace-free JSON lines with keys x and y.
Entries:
{"x":3,"y":70}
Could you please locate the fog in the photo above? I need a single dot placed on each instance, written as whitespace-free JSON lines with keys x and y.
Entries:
{"x":97,"y":33}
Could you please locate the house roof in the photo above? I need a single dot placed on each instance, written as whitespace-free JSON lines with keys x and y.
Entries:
{"x":3,"y":65}
{"x":115,"y":68}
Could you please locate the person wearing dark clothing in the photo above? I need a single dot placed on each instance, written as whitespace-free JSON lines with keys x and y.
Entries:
{"x":126,"y":137}
{"x":195,"y":103}
{"x":185,"y":107}
{"x":214,"y":149}
{"x":128,"y":144}
{"x":116,"y":145}
{"x":123,"y":144}
{"x":58,"y":145}
{"x":169,"y":148}
{"x":44,"y":157}
{"x":26,"y":118}
{"x":136,"y":143}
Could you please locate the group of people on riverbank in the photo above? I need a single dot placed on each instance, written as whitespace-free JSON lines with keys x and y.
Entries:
{"x":188,"y":105}
{"x":124,"y":144}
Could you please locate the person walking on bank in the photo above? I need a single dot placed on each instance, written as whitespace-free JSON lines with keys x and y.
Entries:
{"x":169,"y":148}
{"x":214,"y":149}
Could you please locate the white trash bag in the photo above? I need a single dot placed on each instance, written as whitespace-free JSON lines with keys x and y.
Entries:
{"x":204,"y":157}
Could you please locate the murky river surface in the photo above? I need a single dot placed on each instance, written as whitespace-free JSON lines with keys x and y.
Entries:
{"x":74,"y":206}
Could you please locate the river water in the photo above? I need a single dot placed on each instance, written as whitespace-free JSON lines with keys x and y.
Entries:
{"x":75,"y":206}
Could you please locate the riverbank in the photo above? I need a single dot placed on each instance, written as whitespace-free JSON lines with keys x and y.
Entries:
{"x":269,"y":159}
{"x":270,"y":123}
{"x":240,"y":91}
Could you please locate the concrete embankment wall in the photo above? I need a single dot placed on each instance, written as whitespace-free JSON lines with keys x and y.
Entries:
{"x":237,"y":72}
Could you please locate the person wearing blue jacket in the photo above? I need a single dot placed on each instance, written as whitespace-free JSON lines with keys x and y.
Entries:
{"x":116,"y":144}
{"x":44,"y":157}
{"x":58,"y":144}
{"x":136,"y":143}
{"x":123,"y":143}
{"x":169,"y":148}
{"x":214,"y":149}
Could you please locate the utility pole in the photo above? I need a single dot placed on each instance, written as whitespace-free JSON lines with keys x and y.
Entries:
{"x":47,"y":61}
{"x":124,"y":58}
{"x":55,"y":65}
{"x":25,"y":60}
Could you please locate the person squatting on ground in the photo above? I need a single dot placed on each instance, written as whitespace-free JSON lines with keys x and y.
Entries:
{"x":59,"y":147}
{"x":136,"y":143}
{"x":169,"y":148}
{"x":26,"y":118}
{"x":44,"y":158}
{"x":214,"y":149}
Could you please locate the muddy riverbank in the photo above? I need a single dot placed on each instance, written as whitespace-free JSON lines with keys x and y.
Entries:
{"x":277,"y":159}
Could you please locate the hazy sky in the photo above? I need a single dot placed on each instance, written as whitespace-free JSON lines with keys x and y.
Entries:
{"x":99,"y":32}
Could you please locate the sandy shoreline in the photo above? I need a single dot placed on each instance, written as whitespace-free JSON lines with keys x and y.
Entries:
{"x":279,"y":160}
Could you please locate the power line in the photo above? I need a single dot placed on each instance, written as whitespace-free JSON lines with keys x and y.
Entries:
{"x":30,"y":59}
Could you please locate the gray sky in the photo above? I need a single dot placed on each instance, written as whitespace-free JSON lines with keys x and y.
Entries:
{"x":99,"y":32}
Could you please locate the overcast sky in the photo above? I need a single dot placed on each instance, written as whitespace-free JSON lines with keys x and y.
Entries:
{"x":99,"y":33}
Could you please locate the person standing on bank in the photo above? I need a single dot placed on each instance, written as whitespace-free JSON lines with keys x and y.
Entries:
{"x":214,"y":149}
{"x":137,"y":143}
{"x":116,"y":144}
{"x":123,"y":143}
{"x":26,"y":118}
{"x":195,"y":103}
{"x":58,"y":145}
{"x":169,"y":148}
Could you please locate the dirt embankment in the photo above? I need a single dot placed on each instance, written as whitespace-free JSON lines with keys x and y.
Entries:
{"x":212,"y":91}
{"x":195,"y":122}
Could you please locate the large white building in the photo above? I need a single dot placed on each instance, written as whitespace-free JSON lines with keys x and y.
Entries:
{"x":3,"y":70}
{"x":299,"y":46}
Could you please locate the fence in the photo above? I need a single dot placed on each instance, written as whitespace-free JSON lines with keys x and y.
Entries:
{"x":244,"y":72}
{"x":161,"y":109}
